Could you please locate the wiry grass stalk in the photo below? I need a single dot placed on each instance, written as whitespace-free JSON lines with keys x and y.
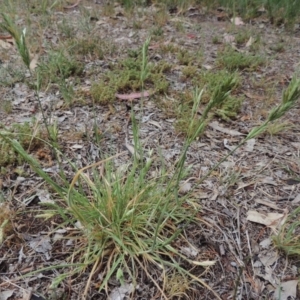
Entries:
{"x":289,"y":99}
{"x":219,"y":96}
{"x":9,"y":26}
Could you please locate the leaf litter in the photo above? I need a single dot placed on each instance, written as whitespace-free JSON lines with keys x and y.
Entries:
{"x":239,"y":215}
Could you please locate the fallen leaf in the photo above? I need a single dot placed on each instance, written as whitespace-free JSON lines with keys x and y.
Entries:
{"x":268,"y":180}
{"x":228,"y":38}
{"x":41,"y":244}
{"x":6,"y":294}
{"x":185,"y":187}
{"x":132,"y":151}
{"x":119,"y":293}
{"x":225,"y":143}
{"x":253,"y":96}
{"x":134,"y":95}
{"x":249,"y":145}
{"x":296,"y":200}
{"x":250,"y":42}
{"x":267,"y":203}
{"x":189,"y":251}
{"x":34,"y":62}
{"x":268,"y":258}
{"x":155,"y":124}
{"x":265,"y":244}
{"x":73,"y":5}
{"x":237,"y":21}
{"x":207,"y":67}
{"x":272,"y":220}
{"x":5,"y":45}
{"x":286,"y":289}
{"x":76,"y":146}
{"x":215,"y":125}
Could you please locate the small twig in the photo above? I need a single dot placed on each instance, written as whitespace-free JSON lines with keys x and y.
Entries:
{"x":73,"y":5}
{"x":241,"y":268}
{"x":84,"y":295}
{"x":5,"y":37}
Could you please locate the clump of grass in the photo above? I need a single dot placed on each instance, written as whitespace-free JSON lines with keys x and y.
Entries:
{"x":218,"y":104}
{"x":187,"y":58}
{"x":9,"y":74}
{"x":216,"y":40}
{"x":232,"y":60}
{"x":125,"y":77}
{"x":91,"y":47}
{"x":227,"y":109}
{"x":6,"y":106}
{"x":9,"y":26}
{"x":6,"y":216}
{"x":210,"y":80}
{"x":28,"y":135}
{"x":230,"y":108}
{"x":288,"y":238}
{"x":278,"y":127}
{"x":57,"y":67}
{"x":130,"y":219}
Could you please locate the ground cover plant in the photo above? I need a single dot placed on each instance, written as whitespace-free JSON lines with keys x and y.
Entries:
{"x":148,"y":150}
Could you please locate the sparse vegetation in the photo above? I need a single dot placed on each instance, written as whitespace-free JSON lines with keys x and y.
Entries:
{"x":134,"y":217}
{"x":233,"y":60}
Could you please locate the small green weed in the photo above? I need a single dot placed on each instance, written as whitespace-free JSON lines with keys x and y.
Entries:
{"x":278,"y":127}
{"x":288,"y":238}
{"x":93,"y":48}
{"x":125,"y":77}
{"x":57,"y":67}
{"x":6,"y":216}
{"x":210,"y":80}
{"x":66,"y":29}
{"x":28,"y":135}
{"x":233,"y":60}
{"x":187,"y":58}
{"x":6,"y":106}
{"x":222,"y":105}
{"x":216,"y":40}
{"x":9,"y":74}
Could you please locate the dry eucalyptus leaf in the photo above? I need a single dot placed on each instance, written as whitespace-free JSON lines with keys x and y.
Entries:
{"x":249,"y":145}
{"x":185,"y":187}
{"x":237,"y":21}
{"x":119,"y":293}
{"x":286,"y":289}
{"x":272,"y":220}
{"x":215,"y":125}
{"x":5,"y":295}
{"x":250,"y":42}
{"x":34,"y":62}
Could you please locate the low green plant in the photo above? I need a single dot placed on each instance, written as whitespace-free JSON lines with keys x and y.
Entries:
{"x":92,"y":47}
{"x":233,"y":60}
{"x":57,"y":67}
{"x":9,"y":74}
{"x":27,"y":134}
{"x":278,"y":127}
{"x":9,"y":26}
{"x":6,"y":106}
{"x":129,"y":75}
{"x":187,"y":58}
{"x":288,"y":237}
{"x":230,"y":108}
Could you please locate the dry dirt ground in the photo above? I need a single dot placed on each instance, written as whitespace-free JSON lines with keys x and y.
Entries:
{"x":256,"y":178}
